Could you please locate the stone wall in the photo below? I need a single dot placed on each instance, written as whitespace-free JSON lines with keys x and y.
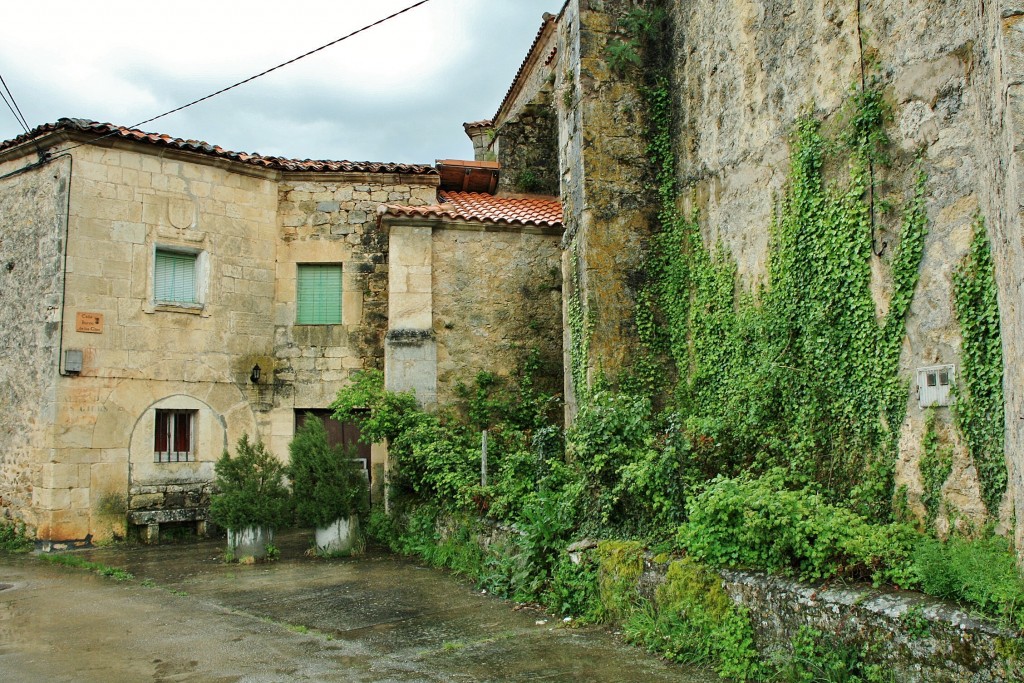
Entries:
{"x":525,"y":127}
{"x":332,"y":218}
{"x":744,"y":71}
{"x":146,"y":355}
{"x":1001,"y":82}
{"x":606,"y":186}
{"x":496,"y":297}
{"x":915,"y":638}
{"x":32,"y":233}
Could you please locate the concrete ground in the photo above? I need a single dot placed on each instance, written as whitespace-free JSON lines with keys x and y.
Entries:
{"x":187,"y":616}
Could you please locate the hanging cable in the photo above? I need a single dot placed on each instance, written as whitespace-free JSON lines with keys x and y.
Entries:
{"x":12,"y":104}
{"x":261,"y":74}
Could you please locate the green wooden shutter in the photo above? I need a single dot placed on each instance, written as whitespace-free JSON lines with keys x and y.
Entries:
{"x":174,"y":277}
{"x":319,"y":295}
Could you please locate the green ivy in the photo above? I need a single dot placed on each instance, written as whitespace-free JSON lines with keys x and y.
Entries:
{"x":979,"y":411}
{"x":580,"y":328}
{"x":800,"y":374}
{"x":936,"y":466}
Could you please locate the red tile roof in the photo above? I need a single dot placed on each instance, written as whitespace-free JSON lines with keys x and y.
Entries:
{"x":277,"y":163}
{"x":486,"y":208}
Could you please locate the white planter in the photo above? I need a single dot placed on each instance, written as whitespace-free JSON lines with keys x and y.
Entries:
{"x":339,"y":537}
{"x":250,"y":541}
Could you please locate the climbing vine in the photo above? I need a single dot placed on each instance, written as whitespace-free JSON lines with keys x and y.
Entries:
{"x":936,"y":466}
{"x":800,"y":374}
{"x":979,"y":411}
{"x":579,"y":330}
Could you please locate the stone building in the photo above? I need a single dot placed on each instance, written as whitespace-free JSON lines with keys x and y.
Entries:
{"x":453,"y":268}
{"x":740,"y":74}
{"x":161,"y":297}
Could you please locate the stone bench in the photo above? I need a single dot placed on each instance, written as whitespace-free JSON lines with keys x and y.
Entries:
{"x":152,"y":519}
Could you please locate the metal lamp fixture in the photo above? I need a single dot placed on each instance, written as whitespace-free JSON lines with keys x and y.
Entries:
{"x":255,"y":376}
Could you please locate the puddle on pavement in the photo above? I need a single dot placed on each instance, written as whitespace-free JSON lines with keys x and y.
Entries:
{"x":376,"y":617}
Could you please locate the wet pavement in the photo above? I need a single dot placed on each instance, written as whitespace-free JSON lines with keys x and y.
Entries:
{"x":187,"y":616}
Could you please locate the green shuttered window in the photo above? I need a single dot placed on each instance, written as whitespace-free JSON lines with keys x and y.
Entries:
{"x":319,"y":294}
{"x":174,"y":277}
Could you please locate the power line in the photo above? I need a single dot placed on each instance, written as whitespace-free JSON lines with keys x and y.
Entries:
{"x":13,"y":104}
{"x":263,"y":73}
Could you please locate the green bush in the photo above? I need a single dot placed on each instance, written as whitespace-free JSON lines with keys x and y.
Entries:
{"x":13,"y":538}
{"x":326,"y":482}
{"x":573,"y":589}
{"x":251,"y":490}
{"x":816,"y":658}
{"x":980,"y":573}
{"x":691,"y":620}
{"x":383,"y":528}
{"x":759,"y":523}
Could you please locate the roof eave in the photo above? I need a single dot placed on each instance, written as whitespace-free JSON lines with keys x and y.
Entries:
{"x":477,"y":225}
{"x":532,"y":57}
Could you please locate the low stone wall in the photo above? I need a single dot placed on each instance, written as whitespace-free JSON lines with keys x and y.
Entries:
{"x":920,"y":638}
{"x":917,"y":638}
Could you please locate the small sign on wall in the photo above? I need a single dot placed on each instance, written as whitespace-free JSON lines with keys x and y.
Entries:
{"x":89,"y":322}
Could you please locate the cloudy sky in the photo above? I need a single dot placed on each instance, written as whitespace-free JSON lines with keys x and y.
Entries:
{"x":398,"y":92}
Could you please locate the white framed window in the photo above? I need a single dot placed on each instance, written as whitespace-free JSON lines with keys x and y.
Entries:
{"x":179,"y":277}
{"x":174,"y":436}
{"x":318,"y":294}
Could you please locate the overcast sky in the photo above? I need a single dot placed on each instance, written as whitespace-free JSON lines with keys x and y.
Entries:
{"x":398,"y":92}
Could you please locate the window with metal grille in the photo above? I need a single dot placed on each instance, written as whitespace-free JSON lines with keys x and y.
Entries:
{"x":318,"y":294}
{"x":174,"y":277}
{"x":173,"y":436}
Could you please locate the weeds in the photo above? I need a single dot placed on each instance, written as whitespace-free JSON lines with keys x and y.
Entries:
{"x":81,"y":563}
{"x":14,"y":538}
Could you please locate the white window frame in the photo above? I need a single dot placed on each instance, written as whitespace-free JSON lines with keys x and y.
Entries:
{"x":201,"y":276}
{"x":170,"y":455}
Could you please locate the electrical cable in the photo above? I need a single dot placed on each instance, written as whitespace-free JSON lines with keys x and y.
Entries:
{"x":13,"y":105}
{"x":262,"y":73}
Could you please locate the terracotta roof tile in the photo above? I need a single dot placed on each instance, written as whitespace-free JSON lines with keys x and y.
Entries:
{"x":486,"y":208}
{"x":200,"y":147}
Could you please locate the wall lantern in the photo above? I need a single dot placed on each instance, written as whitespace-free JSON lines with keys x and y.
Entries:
{"x":255,"y":376}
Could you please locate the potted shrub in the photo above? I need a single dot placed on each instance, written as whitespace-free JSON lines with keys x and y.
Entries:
{"x":252,"y":499}
{"x":331,"y":491}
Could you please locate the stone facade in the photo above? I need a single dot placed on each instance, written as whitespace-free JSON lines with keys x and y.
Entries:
{"x":497,"y":298}
{"x":467,"y":297}
{"x":78,"y":442}
{"x":741,"y":73}
{"x":32,"y":238}
{"x":607,"y":187}
{"x":431,"y":303}
{"x":525,"y":129}
{"x":332,"y":218}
